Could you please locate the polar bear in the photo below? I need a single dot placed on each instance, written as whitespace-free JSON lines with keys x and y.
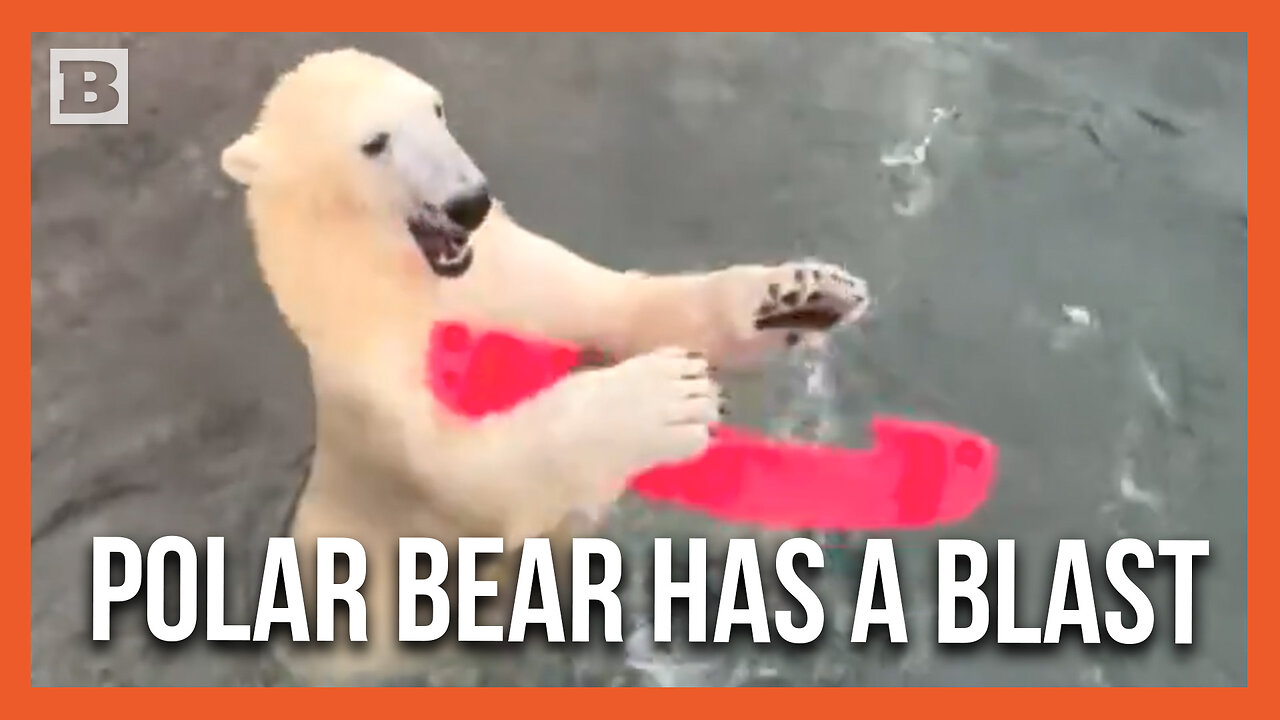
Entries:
{"x":370,"y":222}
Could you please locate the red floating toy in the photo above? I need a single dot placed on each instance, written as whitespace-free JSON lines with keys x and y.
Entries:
{"x":916,"y":474}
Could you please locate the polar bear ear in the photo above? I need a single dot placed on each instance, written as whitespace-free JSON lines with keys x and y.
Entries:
{"x":242,"y":159}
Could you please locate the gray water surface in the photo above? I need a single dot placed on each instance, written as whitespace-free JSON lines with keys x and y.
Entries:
{"x":1054,"y":227}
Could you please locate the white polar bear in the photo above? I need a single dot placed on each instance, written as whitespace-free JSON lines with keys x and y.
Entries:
{"x":370,"y":223}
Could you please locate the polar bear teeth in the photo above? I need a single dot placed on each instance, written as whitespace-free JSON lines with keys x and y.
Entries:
{"x":453,"y":262}
{"x":455,"y":255}
{"x":449,"y":253}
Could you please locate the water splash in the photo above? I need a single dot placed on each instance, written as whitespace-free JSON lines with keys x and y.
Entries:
{"x":805,"y":407}
{"x":1078,"y":315}
{"x":920,"y":655}
{"x":663,"y":671}
{"x":1094,"y":676}
{"x":1127,"y":486}
{"x":1130,"y":493}
{"x":1155,"y":387}
{"x":909,"y":172}
{"x":1073,"y":325}
{"x":1079,"y":323}
{"x":810,"y":411}
{"x":809,"y":406}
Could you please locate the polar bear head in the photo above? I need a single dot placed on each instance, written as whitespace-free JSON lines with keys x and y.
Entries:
{"x":351,"y":132}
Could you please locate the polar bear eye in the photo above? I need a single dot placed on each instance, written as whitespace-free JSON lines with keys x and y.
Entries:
{"x":375,"y":145}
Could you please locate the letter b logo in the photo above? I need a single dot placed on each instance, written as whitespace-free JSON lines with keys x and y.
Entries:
{"x":89,"y":87}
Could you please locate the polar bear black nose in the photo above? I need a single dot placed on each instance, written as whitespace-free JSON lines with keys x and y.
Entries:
{"x":470,"y":208}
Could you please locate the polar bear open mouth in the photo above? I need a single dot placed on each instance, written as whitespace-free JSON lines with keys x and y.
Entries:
{"x":446,"y":246}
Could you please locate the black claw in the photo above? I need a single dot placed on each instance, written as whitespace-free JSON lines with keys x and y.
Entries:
{"x":799,"y":275}
{"x":791,"y":298}
{"x":792,"y":339}
{"x":773,"y":291}
{"x":817,"y":296}
{"x":767,"y":308}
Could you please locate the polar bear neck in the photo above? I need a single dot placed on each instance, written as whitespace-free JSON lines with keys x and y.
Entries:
{"x":342,"y":278}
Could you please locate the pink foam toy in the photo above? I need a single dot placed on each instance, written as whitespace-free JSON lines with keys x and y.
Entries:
{"x":915,"y":475}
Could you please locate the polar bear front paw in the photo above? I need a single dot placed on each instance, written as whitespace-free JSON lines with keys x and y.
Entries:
{"x":650,"y":409}
{"x":808,"y":296}
{"x":663,"y":405}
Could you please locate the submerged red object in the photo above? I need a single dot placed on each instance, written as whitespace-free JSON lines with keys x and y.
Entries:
{"x":915,"y":475}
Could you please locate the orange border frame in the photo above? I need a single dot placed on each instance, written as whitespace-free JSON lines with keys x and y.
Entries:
{"x":578,"y":15}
